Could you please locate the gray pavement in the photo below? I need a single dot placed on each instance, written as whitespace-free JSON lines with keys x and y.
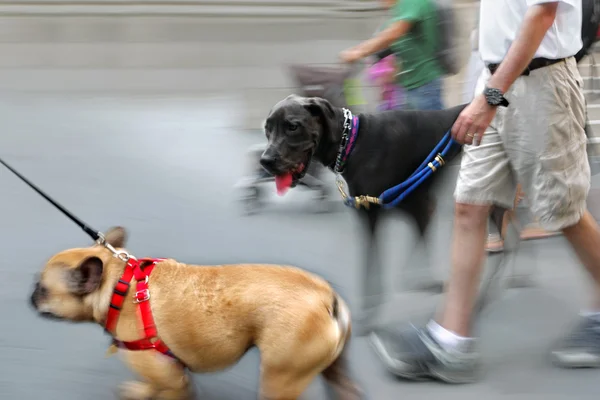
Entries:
{"x":164,"y":167}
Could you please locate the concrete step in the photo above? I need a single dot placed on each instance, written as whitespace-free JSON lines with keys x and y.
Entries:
{"x":243,"y":8}
{"x":180,"y":29}
{"x":167,"y":9}
{"x":367,"y":4}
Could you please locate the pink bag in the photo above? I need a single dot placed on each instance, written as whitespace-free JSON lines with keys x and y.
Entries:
{"x":383,"y":74}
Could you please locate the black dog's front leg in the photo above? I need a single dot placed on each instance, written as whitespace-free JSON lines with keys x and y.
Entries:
{"x":421,"y":208}
{"x":372,"y":280}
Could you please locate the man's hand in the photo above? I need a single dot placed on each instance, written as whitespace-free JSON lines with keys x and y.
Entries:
{"x":351,"y":55}
{"x":472,"y":122}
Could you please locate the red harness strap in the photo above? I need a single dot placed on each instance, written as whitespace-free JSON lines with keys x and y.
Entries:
{"x":141,"y":270}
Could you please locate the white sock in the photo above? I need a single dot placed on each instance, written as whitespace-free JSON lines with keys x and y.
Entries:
{"x":450,"y":341}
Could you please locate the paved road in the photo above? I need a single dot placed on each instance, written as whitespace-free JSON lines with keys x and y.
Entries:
{"x":164,"y":167}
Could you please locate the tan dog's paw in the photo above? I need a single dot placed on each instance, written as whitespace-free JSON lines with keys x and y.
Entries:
{"x":135,"y":390}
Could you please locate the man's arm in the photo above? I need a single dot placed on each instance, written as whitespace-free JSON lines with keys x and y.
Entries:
{"x":477,"y":116}
{"x":405,"y":13}
{"x":384,"y":39}
{"x":538,"y":19}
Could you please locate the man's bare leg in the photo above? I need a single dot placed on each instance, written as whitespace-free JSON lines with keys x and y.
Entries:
{"x":584,"y":236}
{"x":581,"y":348}
{"x":468,"y":254}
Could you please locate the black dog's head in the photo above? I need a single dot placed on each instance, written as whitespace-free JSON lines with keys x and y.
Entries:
{"x":295,"y":128}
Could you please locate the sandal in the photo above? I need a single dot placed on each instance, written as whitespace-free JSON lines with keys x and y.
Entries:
{"x":494,"y":244}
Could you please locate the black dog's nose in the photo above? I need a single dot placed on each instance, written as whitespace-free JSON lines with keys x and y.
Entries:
{"x":268,"y":161}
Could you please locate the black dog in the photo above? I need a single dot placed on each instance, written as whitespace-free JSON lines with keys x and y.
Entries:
{"x":388,"y":148}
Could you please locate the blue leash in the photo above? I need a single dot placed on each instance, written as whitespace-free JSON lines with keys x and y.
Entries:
{"x":395,"y":195}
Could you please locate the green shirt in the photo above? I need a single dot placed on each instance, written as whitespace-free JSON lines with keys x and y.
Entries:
{"x":416,"y":49}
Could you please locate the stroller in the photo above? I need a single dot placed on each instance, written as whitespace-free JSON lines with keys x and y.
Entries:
{"x":330,"y":83}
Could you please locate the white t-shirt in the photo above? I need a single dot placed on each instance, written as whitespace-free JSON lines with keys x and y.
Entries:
{"x":500,"y":21}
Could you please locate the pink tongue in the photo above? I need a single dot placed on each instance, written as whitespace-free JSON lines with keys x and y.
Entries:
{"x":283,"y":183}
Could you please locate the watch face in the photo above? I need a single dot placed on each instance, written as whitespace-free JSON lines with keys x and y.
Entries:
{"x":493,"y":96}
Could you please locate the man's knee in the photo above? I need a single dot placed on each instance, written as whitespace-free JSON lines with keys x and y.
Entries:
{"x":470,"y":215}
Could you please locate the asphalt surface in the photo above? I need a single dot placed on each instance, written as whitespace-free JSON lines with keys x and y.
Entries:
{"x":165,"y":168}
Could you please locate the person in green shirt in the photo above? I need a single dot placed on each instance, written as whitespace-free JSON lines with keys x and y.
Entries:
{"x":412,"y":34}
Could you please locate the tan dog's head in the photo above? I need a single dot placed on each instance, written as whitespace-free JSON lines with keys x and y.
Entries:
{"x":70,"y":279}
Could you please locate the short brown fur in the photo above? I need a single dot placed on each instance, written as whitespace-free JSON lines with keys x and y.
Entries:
{"x":209,"y":316}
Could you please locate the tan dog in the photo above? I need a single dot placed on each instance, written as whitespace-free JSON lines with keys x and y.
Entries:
{"x":209,"y":316}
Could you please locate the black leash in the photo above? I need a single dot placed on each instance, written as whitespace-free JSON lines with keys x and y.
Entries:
{"x":95,"y":235}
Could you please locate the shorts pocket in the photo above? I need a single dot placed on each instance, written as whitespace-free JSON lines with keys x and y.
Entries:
{"x":559,"y":80}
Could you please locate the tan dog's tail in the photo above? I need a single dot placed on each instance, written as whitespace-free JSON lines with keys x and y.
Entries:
{"x":341,"y":314}
{"x":337,"y":374}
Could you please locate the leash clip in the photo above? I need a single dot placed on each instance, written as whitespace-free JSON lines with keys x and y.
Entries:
{"x":121,"y":255}
{"x":365,"y":201}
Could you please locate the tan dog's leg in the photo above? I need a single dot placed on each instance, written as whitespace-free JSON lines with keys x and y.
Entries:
{"x":163,"y":379}
{"x":289,"y":368}
{"x":284,"y":384}
{"x":289,"y":363}
{"x":288,"y":384}
{"x":341,"y":386}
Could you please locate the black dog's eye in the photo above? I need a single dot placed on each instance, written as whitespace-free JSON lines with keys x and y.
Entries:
{"x":292,"y":127}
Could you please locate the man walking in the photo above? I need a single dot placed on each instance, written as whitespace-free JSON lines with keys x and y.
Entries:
{"x":526,"y":125}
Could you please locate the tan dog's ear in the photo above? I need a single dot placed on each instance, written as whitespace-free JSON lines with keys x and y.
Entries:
{"x":116,"y":237}
{"x":87,"y":277}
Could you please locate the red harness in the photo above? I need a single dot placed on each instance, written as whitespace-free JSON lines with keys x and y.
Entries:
{"x":141,"y":270}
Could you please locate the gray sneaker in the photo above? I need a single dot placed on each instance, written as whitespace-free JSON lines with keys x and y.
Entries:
{"x":415,"y":355}
{"x":581,"y":348}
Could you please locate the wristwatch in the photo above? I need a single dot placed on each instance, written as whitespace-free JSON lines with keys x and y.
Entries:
{"x":495,"y":97}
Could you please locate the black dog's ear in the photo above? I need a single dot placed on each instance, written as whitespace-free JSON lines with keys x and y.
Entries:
{"x":319,"y":107}
{"x":86,"y":278}
{"x":116,"y":237}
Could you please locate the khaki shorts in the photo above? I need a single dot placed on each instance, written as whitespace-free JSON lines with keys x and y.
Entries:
{"x":538,"y":141}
